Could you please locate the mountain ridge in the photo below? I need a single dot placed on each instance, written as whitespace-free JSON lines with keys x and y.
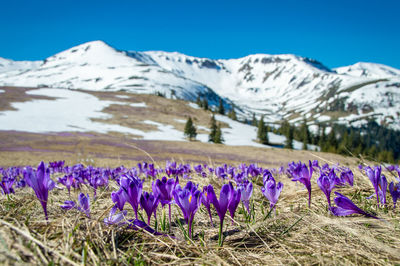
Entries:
{"x":284,"y":86}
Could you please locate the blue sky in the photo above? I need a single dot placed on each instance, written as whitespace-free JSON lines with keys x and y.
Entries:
{"x":336,"y":33}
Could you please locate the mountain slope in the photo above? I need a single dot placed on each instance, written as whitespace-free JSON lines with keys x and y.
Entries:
{"x":277,"y":86}
{"x":7,"y":65}
{"x":97,"y":66}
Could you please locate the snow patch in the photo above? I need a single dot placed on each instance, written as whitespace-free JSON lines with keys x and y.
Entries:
{"x":194,"y":105}
{"x":60,"y":114}
{"x":183,"y":121}
{"x":123,"y":96}
{"x":142,"y":104}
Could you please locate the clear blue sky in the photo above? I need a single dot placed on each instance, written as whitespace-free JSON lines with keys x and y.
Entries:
{"x":336,"y":33}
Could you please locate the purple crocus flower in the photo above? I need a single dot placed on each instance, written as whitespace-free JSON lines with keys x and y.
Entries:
{"x":56,"y":166}
{"x":394,"y":190}
{"x":266,"y":175}
{"x":246,"y":190}
{"x":68,"y":181}
{"x":6,"y":185}
{"x":315,"y":164}
{"x":382,"y":186}
{"x":115,"y":218}
{"x":84,"y":204}
{"x":206,"y":202}
{"x":188,"y":199}
{"x":220,"y":205}
{"x":132,"y":187}
{"x":163,"y":189}
{"x":374,"y":176}
{"x":391,"y":168}
{"x":326,"y":183}
{"x":234,"y":201}
{"x":347,"y":176}
{"x":119,"y":198}
{"x":346,"y":207}
{"x":303,"y":175}
{"x":198,"y":168}
{"x":272,"y":191}
{"x":40,"y":182}
{"x":149,"y":203}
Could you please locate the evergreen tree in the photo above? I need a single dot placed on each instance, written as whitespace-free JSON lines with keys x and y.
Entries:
{"x":284,"y":129}
{"x":232,"y":114}
{"x":322,"y":139}
{"x":221,"y":109}
{"x":190,"y":130}
{"x":262,"y":133}
{"x":305,"y":133}
{"x":218,"y":135}
{"x":205,"y":104}
{"x":198,"y":101}
{"x":213,"y":129}
{"x":254,"y":121}
{"x":289,"y":138}
{"x":332,"y":141}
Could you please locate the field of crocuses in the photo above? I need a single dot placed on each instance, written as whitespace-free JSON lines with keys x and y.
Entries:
{"x":301,"y":213}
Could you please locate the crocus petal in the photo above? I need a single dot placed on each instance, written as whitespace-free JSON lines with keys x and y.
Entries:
{"x":346,"y":207}
{"x":68,"y":204}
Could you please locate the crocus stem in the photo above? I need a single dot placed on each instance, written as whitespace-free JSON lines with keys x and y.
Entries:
{"x":169,"y":210}
{"x":190,"y":229}
{"x":45,"y":209}
{"x":220,"y":235}
{"x":209,"y":213}
{"x":309,"y":199}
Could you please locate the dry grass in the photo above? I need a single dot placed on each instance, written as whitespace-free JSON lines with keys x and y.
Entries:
{"x":295,"y":235}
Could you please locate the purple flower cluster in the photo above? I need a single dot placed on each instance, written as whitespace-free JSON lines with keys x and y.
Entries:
{"x":237,"y":185}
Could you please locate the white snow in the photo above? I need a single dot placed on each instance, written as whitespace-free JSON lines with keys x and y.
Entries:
{"x":123,"y":96}
{"x":142,"y":104}
{"x":183,"y":121}
{"x":165,"y":132}
{"x":323,"y":118}
{"x":194,"y":105}
{"x":2,"y":91}
{"x":70,"y":111}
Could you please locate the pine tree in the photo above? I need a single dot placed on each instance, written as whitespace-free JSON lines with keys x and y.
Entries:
{"x":218,"y":135}
{"x":213,"y":129}
{"x":262,"y":133}
{"x":190,"y":130}
{"x":254,"y":121}
{"x":198,"y":101}
{"x":304,"y":134}
{"x":232,"y":114}
{"x":205,"y":104}
{"x":221,"y":109}
{"x":332,"y":141}
{"x":322,"y":139}
{"x":289,"y":138}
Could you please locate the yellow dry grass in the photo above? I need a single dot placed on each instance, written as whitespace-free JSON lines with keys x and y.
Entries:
{"x":295,"y":235}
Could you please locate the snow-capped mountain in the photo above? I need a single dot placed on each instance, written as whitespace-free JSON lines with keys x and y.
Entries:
{"x":369,"y":70}
{"x":277,"y":86}
{"x":7,"y":65}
